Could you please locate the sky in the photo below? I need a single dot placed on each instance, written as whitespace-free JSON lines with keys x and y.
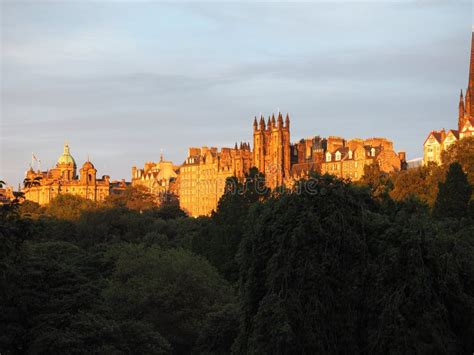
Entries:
{"x":122,"y":80}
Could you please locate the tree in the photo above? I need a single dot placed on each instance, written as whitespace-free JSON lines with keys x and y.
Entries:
{"x":454,"y":194}
{"x":340,"y":272}
{"x":461,"y":152}
{"x":379,"y":182}
{"x":173,"y":290}
{"x":220,"y":238}
{"x":133,"y":197}
{"x":421,"y":182}
{"x":68,"y":207}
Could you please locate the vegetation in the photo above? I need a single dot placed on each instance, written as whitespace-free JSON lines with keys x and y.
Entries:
{"x":384,"y":266}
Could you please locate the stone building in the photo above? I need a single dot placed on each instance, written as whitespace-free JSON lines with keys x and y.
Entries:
{"x":43,"y":186}
{"x":343,"y":158}
{"x":439,"y":141}
{"x":7,"y":195}
{"x":271,"y":154}
{"x":160,"y":178}
{"x":203,"y":175}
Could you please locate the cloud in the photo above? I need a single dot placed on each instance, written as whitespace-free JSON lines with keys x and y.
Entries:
{"x":122,"y":80}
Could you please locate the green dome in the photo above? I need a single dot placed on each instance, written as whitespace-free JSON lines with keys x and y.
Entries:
{"x":66,"y":157}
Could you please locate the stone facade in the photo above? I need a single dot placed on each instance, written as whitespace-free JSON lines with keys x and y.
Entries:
{"x":160,"y":178}
{"x":439,"y":141}
{"x":42,"y":186}
{"x":344,"y":158}
{"x":271,"y":154}
{"x":6,"y":195}
{"x":203,"y":175}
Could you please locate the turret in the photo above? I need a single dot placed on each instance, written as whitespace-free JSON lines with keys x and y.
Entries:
{"x":262,"y":123}
{"x":255,"y":125}
{"x":280,"y":120}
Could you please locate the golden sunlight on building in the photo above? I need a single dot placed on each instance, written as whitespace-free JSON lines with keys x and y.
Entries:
{"x":42,"y":186}
{"x":203,"y":176}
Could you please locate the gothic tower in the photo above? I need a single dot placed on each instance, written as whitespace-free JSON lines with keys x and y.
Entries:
{"x":468,"y":107}
{"x":272,"y":149}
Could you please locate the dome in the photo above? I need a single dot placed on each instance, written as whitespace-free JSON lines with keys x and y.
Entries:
{"x":88,"y":165}
{"x":66,"y":157}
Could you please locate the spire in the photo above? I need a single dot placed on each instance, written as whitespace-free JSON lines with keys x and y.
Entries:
{"x":471,"y":66}
{"x":287,"y":121}
{"x":235,"y":146}
{"x":467,"y":105}
{"x":273,"y":120}
{"x":255,"y":125}
{"x":269,"y":124}
{"x":262,"y":123}
{"x":470,"y":88}
{"x":280,"y":120}
{"x":461,"y":112}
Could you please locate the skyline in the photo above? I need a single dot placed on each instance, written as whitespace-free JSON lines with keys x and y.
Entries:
{"x":98,"y":77}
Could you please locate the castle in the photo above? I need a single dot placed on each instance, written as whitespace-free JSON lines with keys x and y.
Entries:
{"x":42,"y":186}
{"x":439,"y":141}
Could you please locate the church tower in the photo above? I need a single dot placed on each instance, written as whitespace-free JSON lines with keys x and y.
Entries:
{"x":271,"y":153}
{"x":468,"y":107}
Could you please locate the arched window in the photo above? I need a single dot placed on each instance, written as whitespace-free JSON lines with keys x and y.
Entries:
{"x":350,"y":154}
{"x":338,"y":156}
{"x":372,"y":152}
{"x":328,"y":156}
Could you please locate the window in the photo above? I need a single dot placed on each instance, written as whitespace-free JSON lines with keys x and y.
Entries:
{"x":350,"y":154}
{"x":328,"y":156}
{"x":372,"y":152}
{"x":338,"y":156}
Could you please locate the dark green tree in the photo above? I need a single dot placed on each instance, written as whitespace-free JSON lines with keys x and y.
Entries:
{"x":173,"y":290}
{"x":379,"y":182}
{"x":454,"y":194}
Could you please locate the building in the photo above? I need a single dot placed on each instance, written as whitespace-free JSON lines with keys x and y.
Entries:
{"x":160,"y":179}
{"x":271,"y":154}
{"x":203,"y":175}
{"x":439,"y":141}
{"x":343,"y":158}
{"x":42,"y":186}
{"x":7,"y":195}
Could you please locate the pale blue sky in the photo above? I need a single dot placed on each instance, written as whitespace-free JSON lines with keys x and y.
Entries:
{"x":121,"y":80}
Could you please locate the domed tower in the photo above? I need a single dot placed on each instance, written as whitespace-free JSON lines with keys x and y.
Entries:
{"x":66,"y":164}
{"x":88,"y":173}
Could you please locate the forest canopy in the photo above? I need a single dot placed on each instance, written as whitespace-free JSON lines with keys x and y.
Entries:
{"x":385,"y":265}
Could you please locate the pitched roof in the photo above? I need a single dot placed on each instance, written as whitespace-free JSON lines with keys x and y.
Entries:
{"x":436,"y":134}
{"x":455,"y":132}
